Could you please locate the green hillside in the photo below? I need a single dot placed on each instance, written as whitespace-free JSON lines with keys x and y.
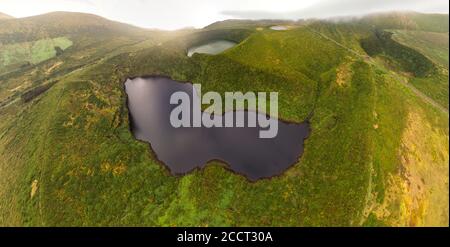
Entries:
{"x":377,"y":154}
{"x":431,"y":44}
{"x":434,"y":46}
{"x":4,"y":16}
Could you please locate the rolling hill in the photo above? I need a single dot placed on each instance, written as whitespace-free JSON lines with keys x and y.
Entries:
{"x":377,"y":103}
{"x":5,"y":16}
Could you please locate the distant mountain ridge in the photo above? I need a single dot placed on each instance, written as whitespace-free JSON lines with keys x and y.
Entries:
{"x":407,"y":20}
{"x":4,"y":16}
{"x":57,"y":24}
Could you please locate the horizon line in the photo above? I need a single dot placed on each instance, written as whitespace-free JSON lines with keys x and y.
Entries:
{"x":244,"y":19}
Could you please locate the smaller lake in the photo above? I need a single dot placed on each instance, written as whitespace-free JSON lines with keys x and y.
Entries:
{"x":279,"y":28}
{"x":212,"y":48}
{"x":184,"y":149}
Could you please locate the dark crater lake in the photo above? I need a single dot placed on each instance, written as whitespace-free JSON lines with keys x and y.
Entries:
{"x":186,"y":148}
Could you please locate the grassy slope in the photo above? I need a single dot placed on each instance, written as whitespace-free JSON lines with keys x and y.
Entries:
{"x":94,"y":39}
{"x":78,"y":163}
{"x":409,"y":21}
{"x":434,"y":45}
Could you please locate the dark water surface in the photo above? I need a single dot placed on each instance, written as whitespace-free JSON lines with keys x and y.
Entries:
{"x":184,"y":149}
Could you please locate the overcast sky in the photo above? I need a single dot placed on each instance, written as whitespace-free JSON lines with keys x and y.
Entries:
{"x":174,"y":14}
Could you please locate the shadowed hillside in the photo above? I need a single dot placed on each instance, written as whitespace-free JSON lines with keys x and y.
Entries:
{"x":409,"y":21}
{"x":57,"y":24}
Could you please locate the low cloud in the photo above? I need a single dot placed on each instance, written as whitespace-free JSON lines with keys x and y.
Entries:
{"x":174,"y":14}
{"x":330,"y":8}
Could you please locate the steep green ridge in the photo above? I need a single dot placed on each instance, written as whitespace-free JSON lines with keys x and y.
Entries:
{"x":409,"y":21}
{"x":377,"y":154}
{"x":431,"y":44}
